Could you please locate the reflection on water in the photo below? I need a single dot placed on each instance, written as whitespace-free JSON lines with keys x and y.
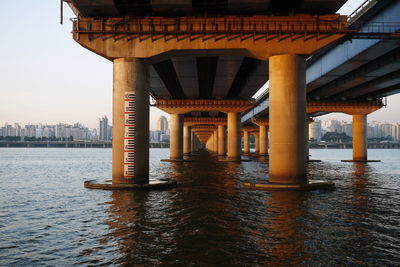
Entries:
{"x":285,"y":238}
{"x":209,"y":220}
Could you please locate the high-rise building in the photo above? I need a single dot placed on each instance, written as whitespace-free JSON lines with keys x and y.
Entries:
{"x":104,"y":129}
{"x":396,"y":131}
{"x":315,"y":130}
{"x":386,"y":129}
{"x":162,"y":124}
{"x":348,"y":129}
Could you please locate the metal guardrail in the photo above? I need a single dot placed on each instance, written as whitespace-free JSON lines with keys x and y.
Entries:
{"x":232,"y":27}
{"x":258,"y":27}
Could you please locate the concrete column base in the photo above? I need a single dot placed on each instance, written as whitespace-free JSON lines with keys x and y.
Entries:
{"x":234,"y":159}
{"x":314,"y":160}
{"x":109,"y":185}
{"x":311,"y":185}
{"x":176,"y":160}
{"x":360,"y":160}
{"x":256,"y":154}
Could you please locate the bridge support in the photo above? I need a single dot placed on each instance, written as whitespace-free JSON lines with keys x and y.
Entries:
{"x":234,"y":137}
{"x":176,"y":138}
{"x":192,"y":142}
{"x":209,"y":143}
{"x":256,"y":143}
{"x":215,"y":141}
{"x":130,"y":144}
{"x":187,"y":133}
{"x":360,"y":139}
{"x":130,"y":153}
{"x":263,"y":140}
{"x":221,"y":140}
{"x":287,"y":122}
{"x":287,"y":163}
{"x":246,"y":146}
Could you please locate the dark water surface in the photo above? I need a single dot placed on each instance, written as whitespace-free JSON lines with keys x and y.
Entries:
{"x":47,"y":218}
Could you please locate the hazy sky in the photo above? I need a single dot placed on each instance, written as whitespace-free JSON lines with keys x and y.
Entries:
{"x":47,"y":77}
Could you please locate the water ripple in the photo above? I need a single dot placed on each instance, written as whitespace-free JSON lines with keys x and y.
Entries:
{"x":47,"y":218}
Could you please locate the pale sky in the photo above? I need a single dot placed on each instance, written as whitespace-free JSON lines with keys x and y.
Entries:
{"x":47,"y":77}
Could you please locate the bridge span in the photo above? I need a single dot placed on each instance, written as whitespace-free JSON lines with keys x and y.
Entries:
{"x":202,"y":61}
{"x":351,"y":72}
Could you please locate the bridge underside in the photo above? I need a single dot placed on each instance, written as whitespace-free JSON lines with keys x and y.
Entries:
{"x":206,"y":59}
{"x":121,"y":8}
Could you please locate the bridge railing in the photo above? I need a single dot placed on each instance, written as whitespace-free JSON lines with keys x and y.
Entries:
{"x":364,"y":7}
{"x":230,"y":25}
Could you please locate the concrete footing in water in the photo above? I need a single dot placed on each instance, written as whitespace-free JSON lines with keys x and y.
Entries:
{"x":311,"y":185}
{"x":234,"y":160}
{"x":176,"y":160}
{"x":109,"y":185}
{"x":360,"y":160}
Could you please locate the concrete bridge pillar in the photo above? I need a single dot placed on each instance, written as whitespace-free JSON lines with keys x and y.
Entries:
{"x":176,"y":137}
{"x":192,"y":142}
{"x":256,"y":143}
{"x":360,"y":137}
{"x":309,"y":121}
{"x":209,"y":144}
{"x":287,"y":119}
{"x":221,"y":140}
{"x":215,"y":141}
{"x":187,"y":134}
{"x":246,"y":145}
{"x":196,"y":144}
{"x":130,"y":144}
{"x":234,"y":136}
{"x":263,"y":140}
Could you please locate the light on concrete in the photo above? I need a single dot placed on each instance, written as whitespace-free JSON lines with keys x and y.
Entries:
{"x":192,"y":142}
{"x":215,"y":141}
{"x":221,"y":140}
{"x":246,"y":141}
{"x":263,"y":140}
{"x":234,"y":142}
{"x":256,"y":143}
{"x":130,"y":144}
{"x":187,"y":134}
{"x":176,"y":137}
{"x":360,"y":137}
{"x":287,"y":118}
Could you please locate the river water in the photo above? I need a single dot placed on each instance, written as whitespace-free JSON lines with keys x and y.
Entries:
{"x":47,"y":217}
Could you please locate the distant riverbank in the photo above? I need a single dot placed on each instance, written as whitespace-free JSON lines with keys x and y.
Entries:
{"x":69,"y":144}
{"x":108,"y":144}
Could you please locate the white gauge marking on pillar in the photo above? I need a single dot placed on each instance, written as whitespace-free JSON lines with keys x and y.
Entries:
{"x":129,"y":135}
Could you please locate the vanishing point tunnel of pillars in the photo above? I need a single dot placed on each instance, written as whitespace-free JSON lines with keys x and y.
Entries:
{"x":287,"y":117}
{"x":287,"y":111}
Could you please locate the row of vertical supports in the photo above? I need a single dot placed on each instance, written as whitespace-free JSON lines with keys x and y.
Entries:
{"x":260,"y":148}
{"x":287,"y":122}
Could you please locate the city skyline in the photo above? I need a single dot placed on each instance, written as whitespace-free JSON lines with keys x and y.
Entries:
{"x":76,"y":131}
{"x":80,"y":88}
{"x":375,"y":129}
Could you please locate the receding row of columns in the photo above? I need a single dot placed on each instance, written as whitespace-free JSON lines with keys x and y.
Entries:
{"x":287,"y":124}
